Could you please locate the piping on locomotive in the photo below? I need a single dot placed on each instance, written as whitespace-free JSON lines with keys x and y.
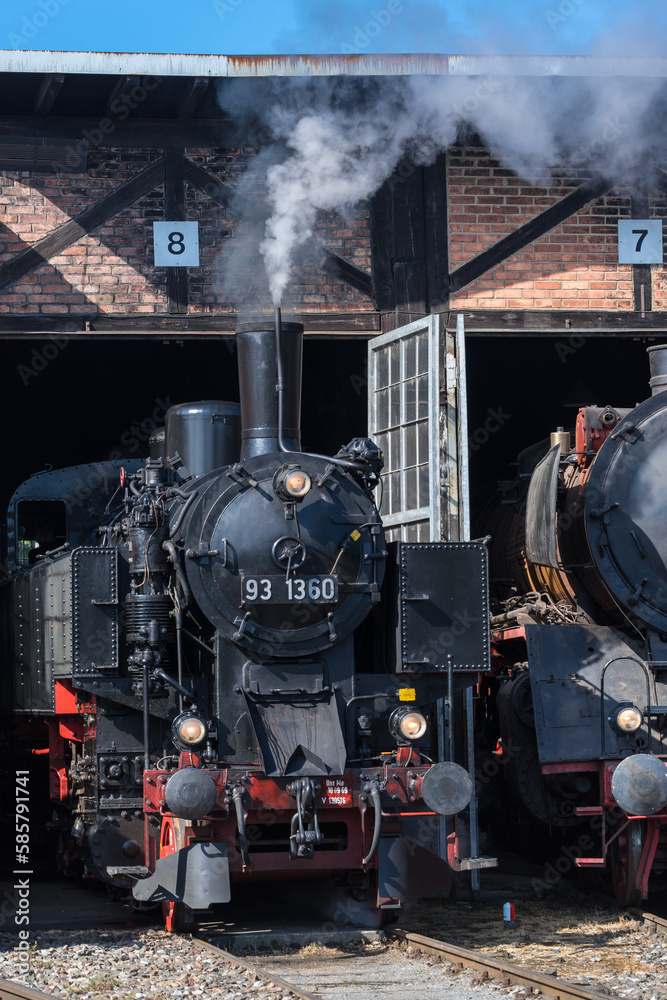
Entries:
{"x":580,"y":640}
{"x":239,"y":677}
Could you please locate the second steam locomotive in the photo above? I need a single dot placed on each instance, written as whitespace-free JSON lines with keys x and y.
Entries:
{"x":234,"y":676}
{"x":580,"y":639}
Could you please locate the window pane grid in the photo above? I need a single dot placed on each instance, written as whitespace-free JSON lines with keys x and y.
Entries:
{"x":401,"y":412}
{"x":400,"y":426}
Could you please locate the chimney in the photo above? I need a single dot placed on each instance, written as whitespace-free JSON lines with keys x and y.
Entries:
{"x":258,"y":377}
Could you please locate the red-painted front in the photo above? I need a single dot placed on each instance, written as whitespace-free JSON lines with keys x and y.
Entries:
{"x":268,"y":804}
{"x":605,"y":770}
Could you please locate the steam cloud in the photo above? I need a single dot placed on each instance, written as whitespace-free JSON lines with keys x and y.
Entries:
{"x":335,"y":141}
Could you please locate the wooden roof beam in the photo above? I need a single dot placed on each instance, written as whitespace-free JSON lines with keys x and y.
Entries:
{"x":194,"y":94}
{"x":47,"y":93}
{"x":155,"y":325}
{"x":119,"y":97}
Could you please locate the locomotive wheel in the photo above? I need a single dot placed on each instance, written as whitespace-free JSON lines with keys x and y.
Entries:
{"x":177,"y":916}
{"x":626,"y":851}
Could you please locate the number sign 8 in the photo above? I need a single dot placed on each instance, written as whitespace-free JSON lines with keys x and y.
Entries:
{"x":176,"y":244}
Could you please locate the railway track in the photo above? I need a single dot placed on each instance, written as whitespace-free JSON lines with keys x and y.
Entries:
{"x":490,"y":968}
{"x":261,"y":973}
{"x":422,"y":966}
{"x":321,"y":976}
{"x":657,"y":924}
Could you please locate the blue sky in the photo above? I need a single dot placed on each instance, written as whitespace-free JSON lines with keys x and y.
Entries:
{"x":568,"y":27}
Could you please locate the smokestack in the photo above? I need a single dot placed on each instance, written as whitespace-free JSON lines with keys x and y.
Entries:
{"x":657,"y":357}
{"x":258,"y":377}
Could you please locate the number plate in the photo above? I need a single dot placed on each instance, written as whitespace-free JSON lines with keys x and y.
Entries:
{"x":640,"y":241}
{"x":176,"y":244}
{"x":295,"y":590}
{"x":336,"y":793}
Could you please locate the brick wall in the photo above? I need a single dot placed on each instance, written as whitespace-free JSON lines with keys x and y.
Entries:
{"x":574,"y":266}
{"x":658,"y":210}
{"x":112,"y":271}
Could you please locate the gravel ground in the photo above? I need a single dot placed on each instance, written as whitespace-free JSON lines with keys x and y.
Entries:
{"x":129,"y":965}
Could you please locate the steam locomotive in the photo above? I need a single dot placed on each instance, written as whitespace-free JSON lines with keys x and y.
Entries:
{"x":235,"y":678}
{"x":580,"y":637}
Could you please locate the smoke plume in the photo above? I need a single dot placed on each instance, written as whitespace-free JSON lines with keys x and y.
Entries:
{"x":334,"y":141}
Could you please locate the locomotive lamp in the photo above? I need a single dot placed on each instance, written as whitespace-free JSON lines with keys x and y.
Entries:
{"x":406,"y":724}
{"x":188,"y":730}
{"x":292,"y":483}
{"x":626,"y":719}
{"x":297,"y":483}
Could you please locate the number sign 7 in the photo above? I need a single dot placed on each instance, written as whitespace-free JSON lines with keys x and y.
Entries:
{"x":176,"y":244}
{"x":640,"y":241}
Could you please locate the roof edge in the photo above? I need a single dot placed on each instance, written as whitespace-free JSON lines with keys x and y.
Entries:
{"x":249,"y":66}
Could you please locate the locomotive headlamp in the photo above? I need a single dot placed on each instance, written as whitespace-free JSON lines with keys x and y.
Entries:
{"x":407,"y":724}
{"x":627,"y":719}
{"x":188,"y":730}
{"x":297,"y":483}
{"x":291,"y":483}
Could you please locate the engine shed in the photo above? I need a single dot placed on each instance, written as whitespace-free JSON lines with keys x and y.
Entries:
{"x":98,"y":338}
{"x":130,"y":250}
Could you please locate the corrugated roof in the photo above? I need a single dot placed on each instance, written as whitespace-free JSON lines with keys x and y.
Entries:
{"x":166,"y":64}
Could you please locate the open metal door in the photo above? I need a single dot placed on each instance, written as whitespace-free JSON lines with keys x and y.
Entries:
{"x":417,"y":414}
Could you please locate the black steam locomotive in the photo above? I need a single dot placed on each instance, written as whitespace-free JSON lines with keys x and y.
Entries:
{"x":580,"y":641}
{"x":234,"y":676}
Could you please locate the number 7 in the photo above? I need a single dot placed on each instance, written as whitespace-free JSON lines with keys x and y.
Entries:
{"x":642,"y":233}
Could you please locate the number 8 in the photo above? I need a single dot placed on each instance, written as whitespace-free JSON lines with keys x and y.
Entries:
{"x":176,"y":240}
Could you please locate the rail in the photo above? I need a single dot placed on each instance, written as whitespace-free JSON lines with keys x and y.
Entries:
{"x":658,"y":924}
{"x":10,"y":990}
{"x":259,"y":972}
{"x":548,"y":986}
{"x":491,"y":968}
